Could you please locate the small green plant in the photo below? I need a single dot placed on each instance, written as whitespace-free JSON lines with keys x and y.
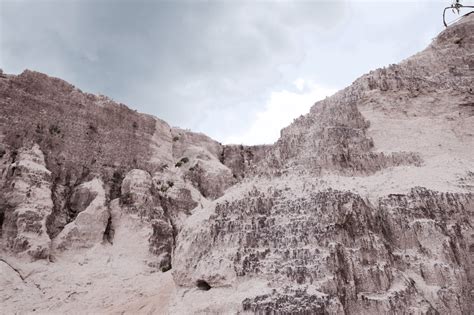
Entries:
{"x":39,"y":128}
{"x":182,"y":161}
{"x":54,"y":130}
{"x":92,"y":128}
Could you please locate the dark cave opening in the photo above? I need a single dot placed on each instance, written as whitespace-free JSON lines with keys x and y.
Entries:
{"x":203,"y":285}
{"x":109,"y":231}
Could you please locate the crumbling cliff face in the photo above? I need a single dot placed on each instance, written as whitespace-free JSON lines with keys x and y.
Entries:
{"x":27,"y":203}
{"x":342,"y":218}
{"x":57,"y":139}
{"x":363,"y":206}
{"x":334,"y":252}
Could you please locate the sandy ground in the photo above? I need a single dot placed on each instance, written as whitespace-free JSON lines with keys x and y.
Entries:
{"x":105,"y":279}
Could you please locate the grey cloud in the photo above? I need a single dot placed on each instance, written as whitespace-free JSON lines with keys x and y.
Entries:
{"x":204,"y":65}
{"x":178,"y":60}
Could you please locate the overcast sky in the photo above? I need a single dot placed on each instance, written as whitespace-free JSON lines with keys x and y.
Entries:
{"x":238,"y":71}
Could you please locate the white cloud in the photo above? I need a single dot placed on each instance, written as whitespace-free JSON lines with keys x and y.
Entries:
{"x":300,"y":84}
{"x":280,"y":110}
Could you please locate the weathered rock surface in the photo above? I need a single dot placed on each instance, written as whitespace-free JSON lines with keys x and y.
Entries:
{"x":334,"y":251}
{"x":363,"y":206}
{"x":89,"y":226}
{"x":242,"y":160}
{"x":345,"y":227}
{"x":27,"y":203}
{"x":85,"y":137}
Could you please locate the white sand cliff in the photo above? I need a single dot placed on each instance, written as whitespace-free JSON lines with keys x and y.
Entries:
{"x":365,"y":205}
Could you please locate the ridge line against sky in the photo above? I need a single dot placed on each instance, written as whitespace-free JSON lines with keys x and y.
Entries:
{"x":237,"y":71}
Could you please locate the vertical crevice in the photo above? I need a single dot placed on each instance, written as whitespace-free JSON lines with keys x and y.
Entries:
{"x":167,"y":264}
{"x":2,"y":216}
{"x":109,"y":231}
{"x":60,"y":215}
{"x":14,"y":269}
{"x":116,"y":184}
{"x":166,"y":212}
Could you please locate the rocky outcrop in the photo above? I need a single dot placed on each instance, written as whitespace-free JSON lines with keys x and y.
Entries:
{"x":199,"y":156}
{"x":139,"y":198}
{"x":360,"y":249}
{"x":242,"y":160}
{"x":27,"y":203}
{"x":334,"y":137}
{"x":82,"y":138}
{"x":335,"y":134}
{"x":136,"y":194}
{"x":89,"y":226}
{"x":343,"y":253}
{"x":208,"y":175}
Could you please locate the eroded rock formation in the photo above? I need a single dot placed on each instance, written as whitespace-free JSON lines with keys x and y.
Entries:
{"x":363,"y":206}
{"x":27,"y":203}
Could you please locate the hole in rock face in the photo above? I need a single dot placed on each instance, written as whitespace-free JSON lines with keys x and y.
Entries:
{"x":109,"y":232}
{"x":203,"y":285}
